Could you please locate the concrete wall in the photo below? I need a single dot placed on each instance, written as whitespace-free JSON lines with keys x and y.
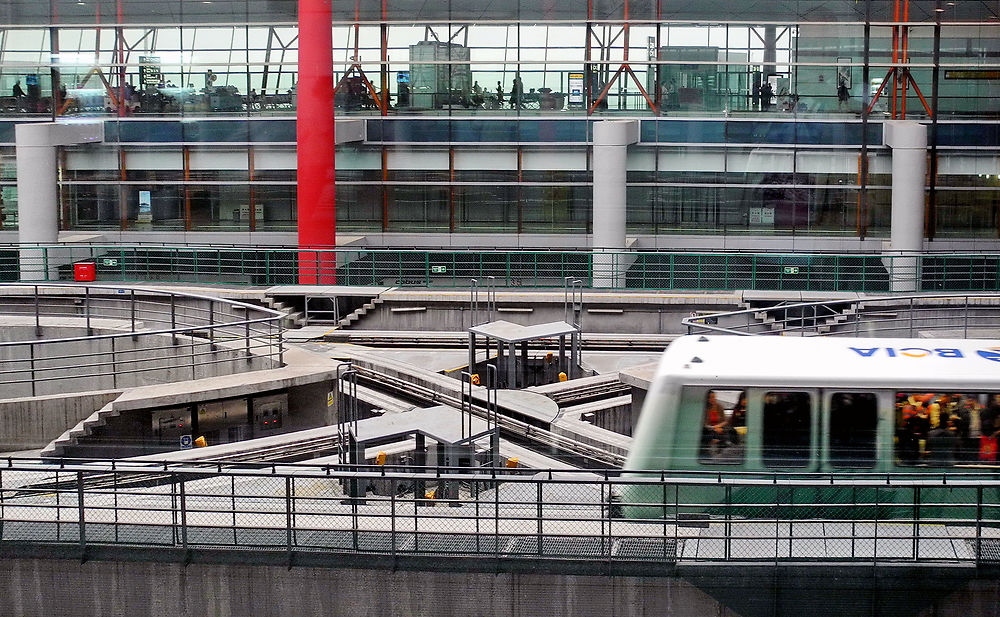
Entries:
{"x":55,"y":587}
{"x":29,"y":423}
{"x":85,"y":365}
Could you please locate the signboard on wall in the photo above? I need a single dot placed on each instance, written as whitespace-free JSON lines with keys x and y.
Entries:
{"x":145,"y":207}
{"x":576,"y":88}
{"x":149,"y":71}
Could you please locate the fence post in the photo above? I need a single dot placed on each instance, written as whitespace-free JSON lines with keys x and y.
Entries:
{"x":392,"y":516}
{"x":979,"y":524}
{"x":288,"y":518}
{"x":184,"y":531}
{"x":82,"y":518}
{"x":538,"y":515}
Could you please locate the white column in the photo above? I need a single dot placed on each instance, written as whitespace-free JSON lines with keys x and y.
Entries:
{"x":908,"y":141}
{"x":611,"y":140}
{"x":38,"y":188}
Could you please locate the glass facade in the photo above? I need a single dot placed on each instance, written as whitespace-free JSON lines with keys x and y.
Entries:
{"x":479,"y":114}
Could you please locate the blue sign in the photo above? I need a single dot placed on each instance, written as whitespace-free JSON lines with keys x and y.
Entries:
{"x":186,"y":442}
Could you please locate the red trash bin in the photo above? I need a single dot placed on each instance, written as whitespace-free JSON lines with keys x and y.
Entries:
{"x":85,"y":271}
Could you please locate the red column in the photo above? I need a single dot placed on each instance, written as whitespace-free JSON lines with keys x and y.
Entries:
{"x":315,"y":138}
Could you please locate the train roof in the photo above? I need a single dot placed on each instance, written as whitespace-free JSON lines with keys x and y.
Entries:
{"x":833,"y":361}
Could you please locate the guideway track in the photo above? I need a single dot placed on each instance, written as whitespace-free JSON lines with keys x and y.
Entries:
{"x":515,"y":429}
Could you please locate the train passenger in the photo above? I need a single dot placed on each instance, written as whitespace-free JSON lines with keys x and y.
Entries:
{"x":913,"y":433}
{"x":716,"y":425}
{"x":739,"y":417}
{"x":942,"y":442}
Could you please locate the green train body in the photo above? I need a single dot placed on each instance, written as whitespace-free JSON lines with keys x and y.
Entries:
{"x":790,"y":412}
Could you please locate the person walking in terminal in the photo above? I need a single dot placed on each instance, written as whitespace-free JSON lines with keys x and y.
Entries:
{"x":843,"y":96}
{"x":766,"y":93}
{"x":500,"y":94}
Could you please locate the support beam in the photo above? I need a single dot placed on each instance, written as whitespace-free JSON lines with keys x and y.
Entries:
{"x":38,"y":187}
{"x":315,"y":138}
{"x":908,"y":141}
{"x":611,"y":140}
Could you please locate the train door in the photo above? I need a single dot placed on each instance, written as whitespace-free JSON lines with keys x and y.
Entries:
{"x":788,"y":427}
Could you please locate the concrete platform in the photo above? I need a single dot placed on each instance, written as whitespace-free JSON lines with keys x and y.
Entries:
{"x":640,"y":376}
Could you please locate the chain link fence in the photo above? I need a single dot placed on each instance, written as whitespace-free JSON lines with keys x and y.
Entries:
{"x":510,"y":514}
{"x":654,"y":270}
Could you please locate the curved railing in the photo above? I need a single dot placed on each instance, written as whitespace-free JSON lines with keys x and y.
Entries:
{"x":949,"y":315}
{"x":71,"y":338}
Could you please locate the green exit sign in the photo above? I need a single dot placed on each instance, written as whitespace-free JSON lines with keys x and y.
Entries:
{"x":109,"y":262}
{"x":439,"y":269}
{"x":791,"y":270}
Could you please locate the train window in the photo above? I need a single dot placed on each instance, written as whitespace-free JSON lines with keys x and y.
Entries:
{"x":724,"y":427}
{"x":945,"y":429}
{"x":853,"y":424}
{"x":786,"y":431}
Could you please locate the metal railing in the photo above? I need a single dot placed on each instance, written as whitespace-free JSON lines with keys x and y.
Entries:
{"x":72,"y":338}
{"x":856,"y":272}
{"x":950,"y":315}
{"x":604,"y":516}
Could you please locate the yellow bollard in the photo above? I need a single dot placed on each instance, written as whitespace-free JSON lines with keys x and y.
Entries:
{"x":200,"y":442}
{"x":475,"y":379}
{"x":512,"y":462}
{"x":563,"y":377}
{"x":380,"y":458}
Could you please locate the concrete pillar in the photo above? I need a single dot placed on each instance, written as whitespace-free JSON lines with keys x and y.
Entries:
{"x":38,"y":188}
{"x":315,"y":140}
{"x":770,"y":50}
{"x":611,"y":140}
{"x":908,"y":141}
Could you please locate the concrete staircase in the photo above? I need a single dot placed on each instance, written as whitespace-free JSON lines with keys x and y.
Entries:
{"x":293,"y":318}
{"x":360,"y":312}
{"x":809,"y":325}
{"x":82,"y":429}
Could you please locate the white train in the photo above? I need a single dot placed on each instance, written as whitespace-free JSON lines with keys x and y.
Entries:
{"x":763,"y":404}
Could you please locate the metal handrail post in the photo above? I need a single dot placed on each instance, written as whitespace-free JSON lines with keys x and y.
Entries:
{"x":132,"y":311}
{"x":86,"y":309}
{"x":173,"y":318}
{"x":38,"y":320}
{"x":31,"y":365}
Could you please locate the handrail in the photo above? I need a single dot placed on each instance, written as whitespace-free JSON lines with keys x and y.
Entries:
{"x":860,"y":316}
{"x":197,"y":329}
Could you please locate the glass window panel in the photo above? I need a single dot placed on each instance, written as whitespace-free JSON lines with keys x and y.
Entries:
{"x":787,"y":429}
{"x":724,"y":428}
{"x":944,"y":429}
{"x":853,"y":424}
{"x":487,"y":208}
{"x":219,"y":206}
